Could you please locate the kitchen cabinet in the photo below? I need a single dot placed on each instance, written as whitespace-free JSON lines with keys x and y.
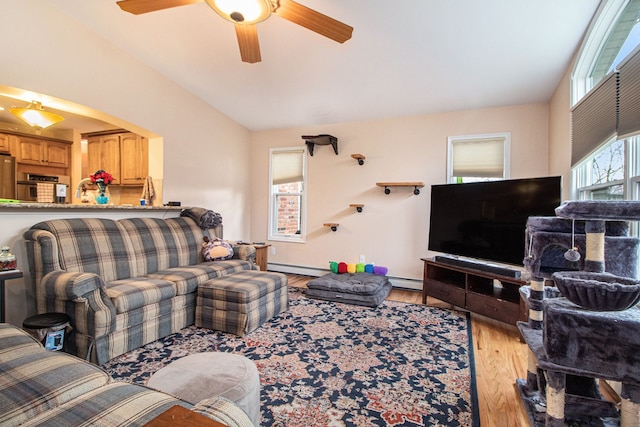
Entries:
{"x":103,"y":153}
{"x":41,"y":152}
{"x":5,"y":146}
{"x":124,"y":155}
{"x":134,"y":159}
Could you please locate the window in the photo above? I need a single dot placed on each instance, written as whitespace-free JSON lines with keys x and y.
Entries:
{"x":475,"y":158}
{"x":601,"y":176}
{"x":605,"y":149}
{"x":287,"y":203}
{"x":613,"y":35}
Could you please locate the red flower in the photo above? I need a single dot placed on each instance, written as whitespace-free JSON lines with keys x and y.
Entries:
{"x":101,"y":178}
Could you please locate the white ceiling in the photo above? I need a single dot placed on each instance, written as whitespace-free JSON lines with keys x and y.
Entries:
{"x":406,"y":57}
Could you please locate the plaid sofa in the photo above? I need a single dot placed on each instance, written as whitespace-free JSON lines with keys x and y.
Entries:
{"x":44,"y":388}
{"x":124,"y":283}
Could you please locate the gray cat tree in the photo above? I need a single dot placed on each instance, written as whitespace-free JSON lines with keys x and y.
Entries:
{"x":587,"y":327}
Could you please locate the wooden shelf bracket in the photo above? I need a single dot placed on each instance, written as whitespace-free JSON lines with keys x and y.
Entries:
{"x":358,"y":206}
{"x":332,"y":225}
{"x":387,"y":186}
{"x":359,"y":157}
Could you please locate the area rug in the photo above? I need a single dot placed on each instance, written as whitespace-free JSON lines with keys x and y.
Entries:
{"x":333,"y":364}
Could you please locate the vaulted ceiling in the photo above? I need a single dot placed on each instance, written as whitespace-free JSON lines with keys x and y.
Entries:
{"x":407,"y":57}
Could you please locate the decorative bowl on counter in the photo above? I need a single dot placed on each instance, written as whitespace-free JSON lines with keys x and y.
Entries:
{"x":598,"y":291}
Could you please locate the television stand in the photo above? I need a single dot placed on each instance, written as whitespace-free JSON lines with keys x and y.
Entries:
{"x":477,"y":265}
{"x":486,"y":293}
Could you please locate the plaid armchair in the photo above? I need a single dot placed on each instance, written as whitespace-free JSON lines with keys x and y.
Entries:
{"x":52,"y":388}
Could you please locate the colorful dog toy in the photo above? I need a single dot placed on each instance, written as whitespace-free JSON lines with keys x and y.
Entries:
{"x":343,"y":267}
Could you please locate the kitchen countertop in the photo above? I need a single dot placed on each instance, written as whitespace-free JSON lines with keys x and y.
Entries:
{"x":85,"y":206}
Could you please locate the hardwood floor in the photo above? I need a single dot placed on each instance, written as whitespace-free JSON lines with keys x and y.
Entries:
{"x":500,"y":358}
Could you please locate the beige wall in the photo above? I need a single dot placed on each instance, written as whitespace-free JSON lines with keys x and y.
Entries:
{"x":206,"y":153}
{"x":392,"y":230}
{"x":560,"y":133}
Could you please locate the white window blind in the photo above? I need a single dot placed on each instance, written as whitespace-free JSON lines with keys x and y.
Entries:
{"x":478,"y":157}
{"x":286,"y":167}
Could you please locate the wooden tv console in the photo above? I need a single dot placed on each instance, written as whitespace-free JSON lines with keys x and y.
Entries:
{"x":488,"y":294}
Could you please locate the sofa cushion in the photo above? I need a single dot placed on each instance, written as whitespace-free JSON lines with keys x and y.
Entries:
{"x":37,"y":382}
{"x":93,"y":245}
{"x":116,"y":404}
{"x":230,"y":266}
{"x":129,"y":294}
{"x":160,"y":244}
{"x":16,"y":343}
{"x":187,"y":279}
{"x":153,"y":316}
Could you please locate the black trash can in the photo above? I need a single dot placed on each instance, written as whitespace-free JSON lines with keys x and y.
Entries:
{"x":48,"y":328}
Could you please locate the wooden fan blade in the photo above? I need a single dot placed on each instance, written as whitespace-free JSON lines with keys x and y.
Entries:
{"x":314,"y":21}
{"x":248,"y":42}
{"x":138,"y":7}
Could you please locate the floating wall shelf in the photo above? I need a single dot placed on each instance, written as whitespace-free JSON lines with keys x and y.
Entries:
{"x":359,"y":157}
{"x":331,"y":225}
{"x":323,"y":139}
{"x":387,"y":186}
{"x":358,"y":206}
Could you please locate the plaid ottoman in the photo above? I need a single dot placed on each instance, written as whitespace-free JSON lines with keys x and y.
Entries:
{"x":240,"y":302}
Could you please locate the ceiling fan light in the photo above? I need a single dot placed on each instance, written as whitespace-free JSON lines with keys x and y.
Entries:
{"x":35,"y":115}
{"x":242,"y":11}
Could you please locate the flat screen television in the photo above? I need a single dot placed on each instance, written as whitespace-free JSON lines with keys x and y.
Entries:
{"x":487,"y":220}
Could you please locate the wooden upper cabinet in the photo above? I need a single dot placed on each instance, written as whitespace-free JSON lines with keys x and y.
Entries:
{"x":103,"y":153}
{"x":123,"y":155}
{"x":30,"y":151}
{"x":57,"y":154}
{"x":5,"y":146}
{"x":134,"y":159}
{"x":33,"y":151}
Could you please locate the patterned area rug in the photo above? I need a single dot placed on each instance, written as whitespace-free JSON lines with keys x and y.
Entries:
{"x":333,"y":364}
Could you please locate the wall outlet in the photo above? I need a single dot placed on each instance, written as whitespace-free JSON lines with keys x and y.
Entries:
{"x":361,"y":259}
{"x":273,"y":250}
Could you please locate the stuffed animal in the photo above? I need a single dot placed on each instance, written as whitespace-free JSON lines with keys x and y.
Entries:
{"x":380,"y":271}
{"x":342,"y":267}
{"x":216,"y":249}
{"x":333,"y":266}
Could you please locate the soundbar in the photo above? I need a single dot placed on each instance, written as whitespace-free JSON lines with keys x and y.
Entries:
{"x":478,"y":265}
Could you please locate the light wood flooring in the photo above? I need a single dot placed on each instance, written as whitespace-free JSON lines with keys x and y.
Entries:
{"x":500,"y":358}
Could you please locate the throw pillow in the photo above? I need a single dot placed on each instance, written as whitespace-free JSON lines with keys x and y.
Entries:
{"x":216,"y":249}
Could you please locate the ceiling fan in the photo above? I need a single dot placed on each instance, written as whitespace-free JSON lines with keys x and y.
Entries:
{"x":246,"y":13}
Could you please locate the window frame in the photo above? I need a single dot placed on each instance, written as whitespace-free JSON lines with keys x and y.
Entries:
{"x":273,"y":195}
{"x":602,"y":25}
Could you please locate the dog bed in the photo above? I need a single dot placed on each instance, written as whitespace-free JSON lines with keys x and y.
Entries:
{"x":359,"y":288}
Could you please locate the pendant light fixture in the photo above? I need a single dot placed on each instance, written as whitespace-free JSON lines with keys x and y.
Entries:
{"x":36,"y":116}
{"x":242,"y":11}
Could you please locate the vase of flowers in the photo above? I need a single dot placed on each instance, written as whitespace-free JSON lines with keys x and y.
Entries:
{"x":102,"y":179}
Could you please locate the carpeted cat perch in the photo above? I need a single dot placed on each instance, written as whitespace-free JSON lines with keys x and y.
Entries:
{"x":584,"y":328}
